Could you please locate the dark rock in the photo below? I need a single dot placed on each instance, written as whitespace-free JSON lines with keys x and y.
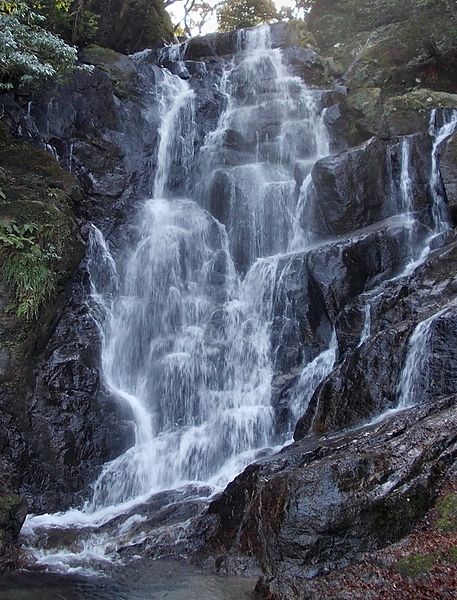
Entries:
{"x":356,"y":188}
{"x":448,"y":166}
{"x":313,"y":288}
{"x":367,"y":378}
{"x":13,"y":511}
{"x":321,"y":502}
{"x":307,"y":64}
{"x":129,"y":26}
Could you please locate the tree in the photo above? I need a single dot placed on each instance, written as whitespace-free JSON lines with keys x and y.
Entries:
{"x":235,"y":14}
{"x":30,"y":54}
{"x":193,"y":14}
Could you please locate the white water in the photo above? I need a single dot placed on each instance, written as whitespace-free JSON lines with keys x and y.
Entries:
{"x":185,"y":310}
{"x":185,"y":334}
{"x":311,"y":376}
{"x":410,"y":386}
{"x":410,"y":390}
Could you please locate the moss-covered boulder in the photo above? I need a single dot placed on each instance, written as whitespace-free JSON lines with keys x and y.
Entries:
{"x":367,"y":112}
{"x":389,"y":44}
{"x":410,"y":112}
{"x":363,"y":115}
{"x":120,"y":68}
{"x":40,"y":244}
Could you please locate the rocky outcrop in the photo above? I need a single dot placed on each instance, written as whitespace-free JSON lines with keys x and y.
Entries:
{"x":360,"y":186}
{"x":365,"y":382}
{"x":387,"y":44}
{"x":322,"y":501}
{"x":448,"y":162}
{"x":58,"y":423}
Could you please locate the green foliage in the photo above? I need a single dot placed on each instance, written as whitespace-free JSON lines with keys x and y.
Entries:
{"x":28,"y":259}
{"x":29,"y":54}
{"x":73,"y":20}
{"x":236,"y":14}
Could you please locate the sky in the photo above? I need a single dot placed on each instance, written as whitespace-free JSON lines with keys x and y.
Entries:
{"x":177,"y":13}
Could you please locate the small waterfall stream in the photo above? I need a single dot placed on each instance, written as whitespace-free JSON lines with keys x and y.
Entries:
{"x":185,"y":309}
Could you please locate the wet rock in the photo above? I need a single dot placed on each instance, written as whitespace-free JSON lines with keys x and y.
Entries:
{"x":361,"y":186}
{"x":366,"y":381}
{"x":322,"y":501}
{"x":362,"y":386}
{"x":213,"y":44}
{"x":13,"y":511}
{"x":362,"y":115}
{"x":448,"y":166}
{"x":348,"y":193}
{"x":76,"y":425}
{"x":307,"y":64}
{"x":312,"y":289}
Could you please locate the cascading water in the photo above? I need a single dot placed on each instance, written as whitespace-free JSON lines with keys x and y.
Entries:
{"x":185,"y":309}
{"x":411,"y":387}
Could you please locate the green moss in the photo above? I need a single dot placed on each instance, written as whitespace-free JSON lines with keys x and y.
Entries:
{"x":301,"y":34}
{"x":416,"y":565}
{"x":38,"y":234}
{"x":9,"y":504}
{"x":97,"y":55}
{"x":447,"y":511}
{"x":385,"y":43}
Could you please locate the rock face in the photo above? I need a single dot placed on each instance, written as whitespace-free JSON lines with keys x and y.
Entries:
{"x":129,"y":26}
{"x":64,"y":425}
{"x":12,"y":515}
{"x":387,"y":44}
{"x":448,"y":161}
{"x":322,"y":501}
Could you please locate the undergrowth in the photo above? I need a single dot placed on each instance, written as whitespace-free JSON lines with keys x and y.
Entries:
{"x":28,"y":259}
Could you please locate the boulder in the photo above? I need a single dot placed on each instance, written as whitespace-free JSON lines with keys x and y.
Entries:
{"x":322,"y":501}
{"x":361,"y":186}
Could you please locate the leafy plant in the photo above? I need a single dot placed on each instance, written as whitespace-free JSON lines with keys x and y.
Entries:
{"x":29,"y":258}
{"x":29,"y":53}
{"x":235,"y":14}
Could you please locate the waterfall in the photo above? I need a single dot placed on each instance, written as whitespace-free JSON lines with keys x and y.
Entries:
{"x":185,"y":309}
{"x":311,"y":376}
{"x":186,"y":304}
{"x":366,"y":329}
{"x":413,"y":385}
{"x":442,"y":125}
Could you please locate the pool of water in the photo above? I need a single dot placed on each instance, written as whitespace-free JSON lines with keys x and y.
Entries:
{"x":142,"y":580}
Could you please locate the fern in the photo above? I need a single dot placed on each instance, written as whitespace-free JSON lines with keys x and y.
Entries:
{"x":28,"y":265}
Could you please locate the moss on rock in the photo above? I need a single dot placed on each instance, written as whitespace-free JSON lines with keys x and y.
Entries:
{"x":389,"y":44}
{"x":447,"y":511}
{"x":416,"y":565}
{"x":40,"y":246}
{"x":13,"y":511}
